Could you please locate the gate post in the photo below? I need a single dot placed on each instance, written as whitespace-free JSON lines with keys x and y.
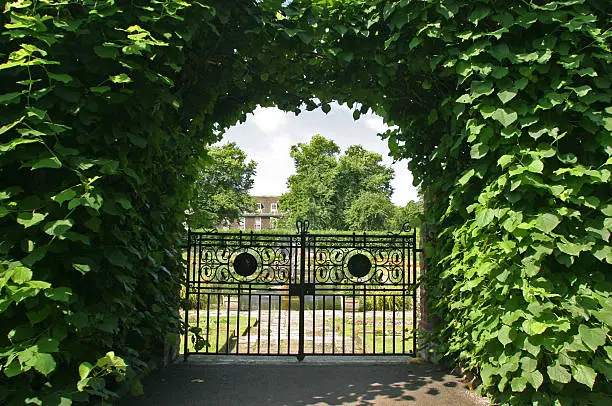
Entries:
{"x":425,"y":325}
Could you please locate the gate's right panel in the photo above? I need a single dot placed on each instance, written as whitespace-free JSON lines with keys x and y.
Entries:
{"x":360,"y":294}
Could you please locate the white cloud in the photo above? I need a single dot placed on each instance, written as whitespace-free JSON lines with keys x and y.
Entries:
{"x":269,"y":119}
{"x":376,"y":123}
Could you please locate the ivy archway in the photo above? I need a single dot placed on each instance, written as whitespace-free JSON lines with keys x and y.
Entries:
{"x":503,"y":110}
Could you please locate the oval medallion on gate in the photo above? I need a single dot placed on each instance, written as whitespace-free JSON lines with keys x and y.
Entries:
{"x":359,"y":265}
{"x":245,"y":264}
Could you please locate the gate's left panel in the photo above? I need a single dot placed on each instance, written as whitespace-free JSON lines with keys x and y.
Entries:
{"x":237,"y":294}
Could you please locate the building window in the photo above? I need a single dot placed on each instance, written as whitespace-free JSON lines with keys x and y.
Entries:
{"x":274,"y":207}
{"x":260,"y":206}
{"x":257,"y":223}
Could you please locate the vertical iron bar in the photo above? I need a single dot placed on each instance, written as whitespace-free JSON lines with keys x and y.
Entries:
{"x":334,"y":324}
{"x":259,"y":326}
{"x":414,"y":293}
{"x":374,"y":325}
{"x":249,"y":321}
{"x":354,"y":311}
{"x":199,"y":288}
{"x":384,"y":323}
{"x":227,"y":324}
{"x":238,"y":321}
{"x":404,"y":294}
{"x":344,"y":322}
{"x":364,"y":320}
{"x":394,"y":306}
{"x":208,"y":321}
{"x":186,"y":305}
{"x":218,"y":311}
{"x":269,"y":321}
{"x":280,"y":305}
{"x":303,"y":232}
{"x":323,"y":322}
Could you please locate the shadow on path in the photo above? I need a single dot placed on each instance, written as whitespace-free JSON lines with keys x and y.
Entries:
{"x":303,"y":384}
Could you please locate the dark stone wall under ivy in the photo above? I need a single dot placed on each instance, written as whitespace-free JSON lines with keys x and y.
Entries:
{"x":503,"y":109}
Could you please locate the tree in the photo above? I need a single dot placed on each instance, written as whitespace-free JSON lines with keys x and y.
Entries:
{"x":360,"y":172}
{"x":370,"y":211}
{"x":411,"y":213}
{"x":311,"y":190}
{"x":221,"y":191}
{"x":327,"y":184}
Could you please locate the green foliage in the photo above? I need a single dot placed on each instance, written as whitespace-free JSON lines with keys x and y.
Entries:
{"x":222,"y":188}
{"x":370,"y":211}
{"x":105,"y":110}
{"x":411,"y":213}
{"x":340,"y":192}
{"x":503,"y":109}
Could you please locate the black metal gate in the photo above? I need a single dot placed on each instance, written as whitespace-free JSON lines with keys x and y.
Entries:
{"x":300,"y":294}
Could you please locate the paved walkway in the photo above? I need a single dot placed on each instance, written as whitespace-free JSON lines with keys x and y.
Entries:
{"x":315,"y":381}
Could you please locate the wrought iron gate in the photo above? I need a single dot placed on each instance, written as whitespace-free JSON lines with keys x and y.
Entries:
{"x":300,"y":294}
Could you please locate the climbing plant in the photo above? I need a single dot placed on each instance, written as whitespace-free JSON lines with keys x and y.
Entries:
{"x":503,"y":109}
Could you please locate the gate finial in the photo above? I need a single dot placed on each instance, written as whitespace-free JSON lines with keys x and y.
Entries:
{"x":302,"y":225}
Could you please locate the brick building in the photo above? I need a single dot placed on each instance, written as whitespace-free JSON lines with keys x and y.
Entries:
{"x":264,"y":217}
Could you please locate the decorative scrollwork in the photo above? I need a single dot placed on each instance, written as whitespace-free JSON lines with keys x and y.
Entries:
{"x":331,"y":259}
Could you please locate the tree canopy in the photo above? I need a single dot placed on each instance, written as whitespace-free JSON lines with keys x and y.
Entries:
{"x":328,"y":184}
{"x":221,"y":190}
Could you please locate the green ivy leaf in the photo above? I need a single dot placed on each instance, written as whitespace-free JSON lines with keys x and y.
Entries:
{"x":506,"y":95}
{"x":558,"y":373}
{"x":484,"y":217}
{"x":82,"y":268}
{"x":478,"y":89}
{"x":536,"y":165}
{"x":44,"y":363}
{"x":52,"y":163}
{"x":21,"y":274}
{"x":28,"y":219}
{"x":58,"y":227}
{"x":121,"y":78}
{"x":584,"y":374}
{"x":479,"y":150}
{"x":533,"y":327}
{"x":84,"y":369}
{"x":463,"y":180}
{"x":535,"y":378}
{"x":60,"y":77}
{"x":504,"y":335}
{"x":64,"y":195}
{"x":547,"y":222}
{"x":505,"y":116}
{"x":512,"y":222}
{"x":531,"y":348}
{"x":518,"y":384}
{"x":47,"y":345}
{"x":8,"y":98}
{"x":592,"y":337}
{"x":62,"y":294}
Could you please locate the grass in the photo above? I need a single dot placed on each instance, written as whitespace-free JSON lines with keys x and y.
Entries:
{"x":376,"y":340}
{"x":219,"y":337}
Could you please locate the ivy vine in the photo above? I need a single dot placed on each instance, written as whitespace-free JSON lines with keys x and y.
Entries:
{"x":502,"y":108}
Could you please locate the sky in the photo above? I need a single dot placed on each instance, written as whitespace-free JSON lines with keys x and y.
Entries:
{"x":268,"y":134}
